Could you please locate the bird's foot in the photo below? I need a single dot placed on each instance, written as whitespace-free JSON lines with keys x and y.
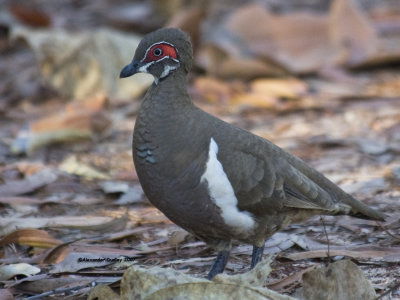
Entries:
{"x":256,"y":256}
{"x":219,"y":264}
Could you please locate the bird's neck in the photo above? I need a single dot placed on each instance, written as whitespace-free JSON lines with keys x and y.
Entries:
{"x":164,"y":110}
{"x":169,"y":93}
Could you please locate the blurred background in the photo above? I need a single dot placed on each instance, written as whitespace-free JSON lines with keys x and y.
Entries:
{"x":319,"y":78}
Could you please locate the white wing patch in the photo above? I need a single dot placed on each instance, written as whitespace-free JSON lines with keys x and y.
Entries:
{"x":221,"y":192}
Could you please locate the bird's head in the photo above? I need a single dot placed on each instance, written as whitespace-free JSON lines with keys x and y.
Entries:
{"x":160,"y":53}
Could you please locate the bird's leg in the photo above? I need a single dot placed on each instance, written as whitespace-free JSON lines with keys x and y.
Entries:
{"x":256,"y":256}
{"x":219,"y":264}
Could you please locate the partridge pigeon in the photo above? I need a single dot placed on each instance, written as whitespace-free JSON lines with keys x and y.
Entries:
{"x":213,"y":179}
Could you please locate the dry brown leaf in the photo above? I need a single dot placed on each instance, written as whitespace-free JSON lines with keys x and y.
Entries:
{"x":212,"y":90}
{"x":30,"y":15}
{"x":219,"y":62}
{"x":253,"y":100}
{"x":289,"y":88}
{"x":189,"y":20}
{"x":57,"y":254}
{"x":280,"y":285}
{"x":28,"y":168}
{"x":78,"y":120}
{"x":298,"y":41}
{"x":351,"y":33}
{"x":30,"y":237}
{"x":252,"y":39}
{"x":28,"y":184}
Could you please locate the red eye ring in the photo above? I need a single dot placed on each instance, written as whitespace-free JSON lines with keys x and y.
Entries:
{"x":160,"y":50}
{"x":157,"y":52}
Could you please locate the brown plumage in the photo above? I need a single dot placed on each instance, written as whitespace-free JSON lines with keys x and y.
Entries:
{"x":213,"y":179}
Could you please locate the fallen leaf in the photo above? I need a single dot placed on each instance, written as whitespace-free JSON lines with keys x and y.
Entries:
{"x":374,"y":147}
{"x":29,"y":184}
{"x":177,"y":237}
{"x":71,"y":165}
{"x":30,"y":15}
{"x":111,"y":187}
{"x":30,"y":237}
{"x":20,"y":201}
{"x":374,"y":252}
{"x":298,"y":41}
{"x":218,"y":62}
{"x":57,"y":254}
{"x":137,"y":16}
{"x":76,"y":261}
{"x":124,"y":234}
{"x":252,"y":41}
{"x":189,"y":19}
{"x":9,"y":271}
{"x":351,"y":32}
{"x":10,"y":224}
{"x":59,"y":286}
{"x":212,"y":90}
{"x":253,"y":100}
{"x":279,"y":285}
{"x":133,"y":195}
{"x":289,"y":88}
{"x":86,"y":63}
{"x":78,"y":120}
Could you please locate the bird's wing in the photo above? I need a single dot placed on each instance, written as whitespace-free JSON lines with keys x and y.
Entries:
{"x":268,"y":182}
{"x":265,"y":178}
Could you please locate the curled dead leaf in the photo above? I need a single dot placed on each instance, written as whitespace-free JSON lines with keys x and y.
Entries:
{"x":9,"y":271}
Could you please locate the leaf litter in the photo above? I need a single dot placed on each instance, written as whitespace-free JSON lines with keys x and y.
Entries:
{"x":73,"y":208}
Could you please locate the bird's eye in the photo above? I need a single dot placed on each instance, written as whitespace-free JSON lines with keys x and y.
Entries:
{"x":157,"y":51}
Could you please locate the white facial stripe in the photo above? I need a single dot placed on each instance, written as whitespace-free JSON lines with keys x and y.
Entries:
{"x":167,"y":69}
{"x":146,"y":66}
{"x":222,"y":193}
{"x":159,"y":43}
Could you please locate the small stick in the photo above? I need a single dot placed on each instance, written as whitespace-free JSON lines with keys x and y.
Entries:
{"x":61,"y":290}
{"x":327,"y":239}
{"x":388,"y":232}
{"x":393,"y":288}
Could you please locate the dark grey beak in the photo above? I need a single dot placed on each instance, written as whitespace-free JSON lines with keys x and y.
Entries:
{"x":130,"y":69}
